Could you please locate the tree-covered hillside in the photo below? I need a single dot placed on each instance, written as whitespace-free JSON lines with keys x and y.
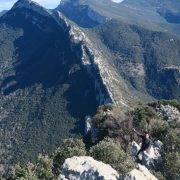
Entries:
{"x":147,"y":60}
{"x":153,"y":15}
{"x":113,"y":143}
{"x":168,"y":9}
{"x":45,"y":92}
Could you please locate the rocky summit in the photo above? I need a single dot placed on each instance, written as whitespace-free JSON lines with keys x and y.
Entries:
{"x":87,"y":168}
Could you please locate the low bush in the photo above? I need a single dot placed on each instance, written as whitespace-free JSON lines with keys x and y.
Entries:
{"x":146,"y":119}
{"x":110,"y":152}
{"x":114,"y":123}
{"x":101,"y":114}
{"x":70,"y":147}
{"x":158,"y":175}
{"x":44,"y":167}
{"x":172,"y":165}
{"x":143,"y":117}
{"x":158,"y":128}
{"x":18,"y":172}
{"x":172,"y":140}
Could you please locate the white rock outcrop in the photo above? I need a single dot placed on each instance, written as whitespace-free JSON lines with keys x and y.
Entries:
{"x":141,"y":173}
{"x":108,"y":83}
{"x":149,"y":157}
{"x":86,"y":168}
{"x":170,"y":113}
{"x":88,"y":125}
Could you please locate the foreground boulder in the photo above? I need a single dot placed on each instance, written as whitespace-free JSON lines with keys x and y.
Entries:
{"x":141,"y":173}
{"x":82,"y":168}
{"x":86,"y":168}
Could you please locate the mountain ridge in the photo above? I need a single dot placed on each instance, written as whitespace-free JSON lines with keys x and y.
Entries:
{"x":81,"y":13}
{"x":54,"y":73}
{"x":29,"y":4}
{"x":40,"y":85}
{"x":127,"y":11}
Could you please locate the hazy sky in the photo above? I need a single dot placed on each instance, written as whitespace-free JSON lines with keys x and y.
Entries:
{"x":7,"y":4}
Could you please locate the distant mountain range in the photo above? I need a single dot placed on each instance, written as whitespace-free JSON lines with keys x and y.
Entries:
{"x":131,"y":46}
{"x":168,"y":9}
{"x":151,"y":14}
{"x":57,"y":66}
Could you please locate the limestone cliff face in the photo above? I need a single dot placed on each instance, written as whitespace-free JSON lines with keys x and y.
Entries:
{"x":139,"y":58}
{"x":107,"y":81}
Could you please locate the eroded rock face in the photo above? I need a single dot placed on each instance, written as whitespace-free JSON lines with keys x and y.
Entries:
{"x":82,"y":168}
{"x":92,"y":60}
{"x":86,"y":168}
{"x":170,"y":113}
{"x":88,"y":125}
{"x":150,"y":156}
{"x":141,"y":173}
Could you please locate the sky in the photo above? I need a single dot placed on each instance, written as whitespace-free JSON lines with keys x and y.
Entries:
{"x":7,"y":4}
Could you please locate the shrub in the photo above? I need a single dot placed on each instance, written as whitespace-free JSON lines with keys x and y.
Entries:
{"x":101,"y":114}
{"x":99,"y":118}
{"x":25,"y":172}
{"x":70,"y":147}
{"x":158,"y":175}
{"x":143,"y":116}
{"x":146,"y":119}
{"x":158,"y":128}
{"x":44,"y":167}
{"x":117,"y":124}
{"x":172,"y":165}
{"x":31,"y":168}
{"x":172,"y":140}
{"x":110,"y":152}
{"x":18,"y":172}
